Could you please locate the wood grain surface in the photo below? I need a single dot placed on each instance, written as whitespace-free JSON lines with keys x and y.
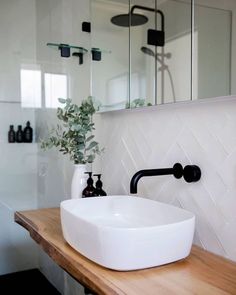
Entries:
{"x":201,"y":273}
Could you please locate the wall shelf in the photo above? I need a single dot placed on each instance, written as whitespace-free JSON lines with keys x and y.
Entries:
{"x":79,"y":51}
{"x":67,"y":46}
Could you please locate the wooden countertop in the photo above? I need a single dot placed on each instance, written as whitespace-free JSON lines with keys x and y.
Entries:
{"x":201,"y":273}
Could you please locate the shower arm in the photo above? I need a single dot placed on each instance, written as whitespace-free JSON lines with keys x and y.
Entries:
{"x":150,"y":9}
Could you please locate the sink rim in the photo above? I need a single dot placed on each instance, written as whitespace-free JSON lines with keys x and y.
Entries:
{"x":87,"y":218}
{"x":125,"y":249}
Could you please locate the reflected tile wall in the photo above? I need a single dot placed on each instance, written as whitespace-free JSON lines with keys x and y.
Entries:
{"x":200,"y":133}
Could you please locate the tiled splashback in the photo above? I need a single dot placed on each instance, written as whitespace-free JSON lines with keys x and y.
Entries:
{"x":199,"y":133}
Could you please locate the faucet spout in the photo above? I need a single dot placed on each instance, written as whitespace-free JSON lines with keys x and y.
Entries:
{"x":176,"y":170}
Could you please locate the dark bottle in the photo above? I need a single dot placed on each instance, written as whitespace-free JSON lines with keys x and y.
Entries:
{"x":99,"y":191}
{"x":89,"y":191}
{"x":28,"y":133}
{"x":11,"y":134}
{"x":19,"y":134}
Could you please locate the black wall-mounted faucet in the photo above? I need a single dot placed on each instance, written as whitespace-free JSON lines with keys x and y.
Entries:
{"x":191,"y":173}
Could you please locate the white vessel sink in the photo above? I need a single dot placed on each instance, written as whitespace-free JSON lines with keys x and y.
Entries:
{"x":127,"y":232}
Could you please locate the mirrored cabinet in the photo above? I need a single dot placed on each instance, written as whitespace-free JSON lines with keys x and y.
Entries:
{"x":214,"y":39}
{"x":155,"y":52}
{"x":161,"y":53}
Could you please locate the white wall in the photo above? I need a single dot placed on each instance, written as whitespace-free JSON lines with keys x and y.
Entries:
{"x":197,"y":133}
{"x":17,"y":48}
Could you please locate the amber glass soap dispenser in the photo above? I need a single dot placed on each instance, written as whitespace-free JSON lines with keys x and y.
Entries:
{"x":28,"y":133}
{"x":89,"y":191}
{"x":11,"y":134}
{"x":99,"y":191}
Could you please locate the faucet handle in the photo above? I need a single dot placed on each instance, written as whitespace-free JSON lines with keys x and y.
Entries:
{"x":178,"y":170}
{"x":192,"y":173}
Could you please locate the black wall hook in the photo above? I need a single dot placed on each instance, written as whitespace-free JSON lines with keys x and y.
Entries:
{"x":65,"y":50}
{"x":80,"y":55}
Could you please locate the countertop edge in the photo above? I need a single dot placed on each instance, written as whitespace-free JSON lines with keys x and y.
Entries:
{"x":201,"y":265}
{"x":81,"y":274}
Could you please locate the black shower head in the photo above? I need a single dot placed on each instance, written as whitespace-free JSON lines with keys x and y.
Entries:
{"x":150,"y":52}
{"x":123,"y":20}
{"x":147,"y":50}
{"x":135,"y":19}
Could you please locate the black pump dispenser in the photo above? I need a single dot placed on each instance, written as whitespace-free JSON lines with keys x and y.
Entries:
{"x":99,"y":191}
{"x":19,"y":134}
{"x":28,"y":133}
{"x":11,"y":134}
{"x":89,"y":191}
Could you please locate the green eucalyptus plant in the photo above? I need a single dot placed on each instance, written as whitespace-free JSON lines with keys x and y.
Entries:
{"x":74,"y":136}
{"x":138,"y":102}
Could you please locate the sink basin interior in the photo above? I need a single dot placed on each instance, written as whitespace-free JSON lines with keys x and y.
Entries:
{"x":127,"y":212}
{"x":126,"y":232}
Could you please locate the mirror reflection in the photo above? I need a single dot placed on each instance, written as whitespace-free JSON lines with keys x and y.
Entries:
{"x":163,"y":68}
{"x":146,"y":52}
{"x":110,"y":74}
{"x":214,"y":47}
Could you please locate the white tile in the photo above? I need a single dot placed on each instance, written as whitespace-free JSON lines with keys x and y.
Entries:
{"x":18,"y":251}
{"x":204,"y":135}
{"x":228,"y":235}
{"x":51,"y":271}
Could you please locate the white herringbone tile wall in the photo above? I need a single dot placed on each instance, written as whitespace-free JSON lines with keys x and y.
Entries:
{"x":201,"y":133}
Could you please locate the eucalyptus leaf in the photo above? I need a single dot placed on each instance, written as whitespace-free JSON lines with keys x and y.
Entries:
{"x":90,"y":158}
{"x":68,"y":101}
{"x":76,"y":127}
{"x":91,"y":145}
{"x":73,"y":136}
{"x":81,"y":146}
{"x":90,"y":138}
{"x":62,"y":100}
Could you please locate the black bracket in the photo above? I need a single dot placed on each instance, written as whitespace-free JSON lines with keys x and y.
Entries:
{"x":86,"y":27}
{"x":153,"y":10}
{"x":96,"y":54}
{"x":80,"y":55}
{"x":155,"y":37}
{"x":65,"y":50}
